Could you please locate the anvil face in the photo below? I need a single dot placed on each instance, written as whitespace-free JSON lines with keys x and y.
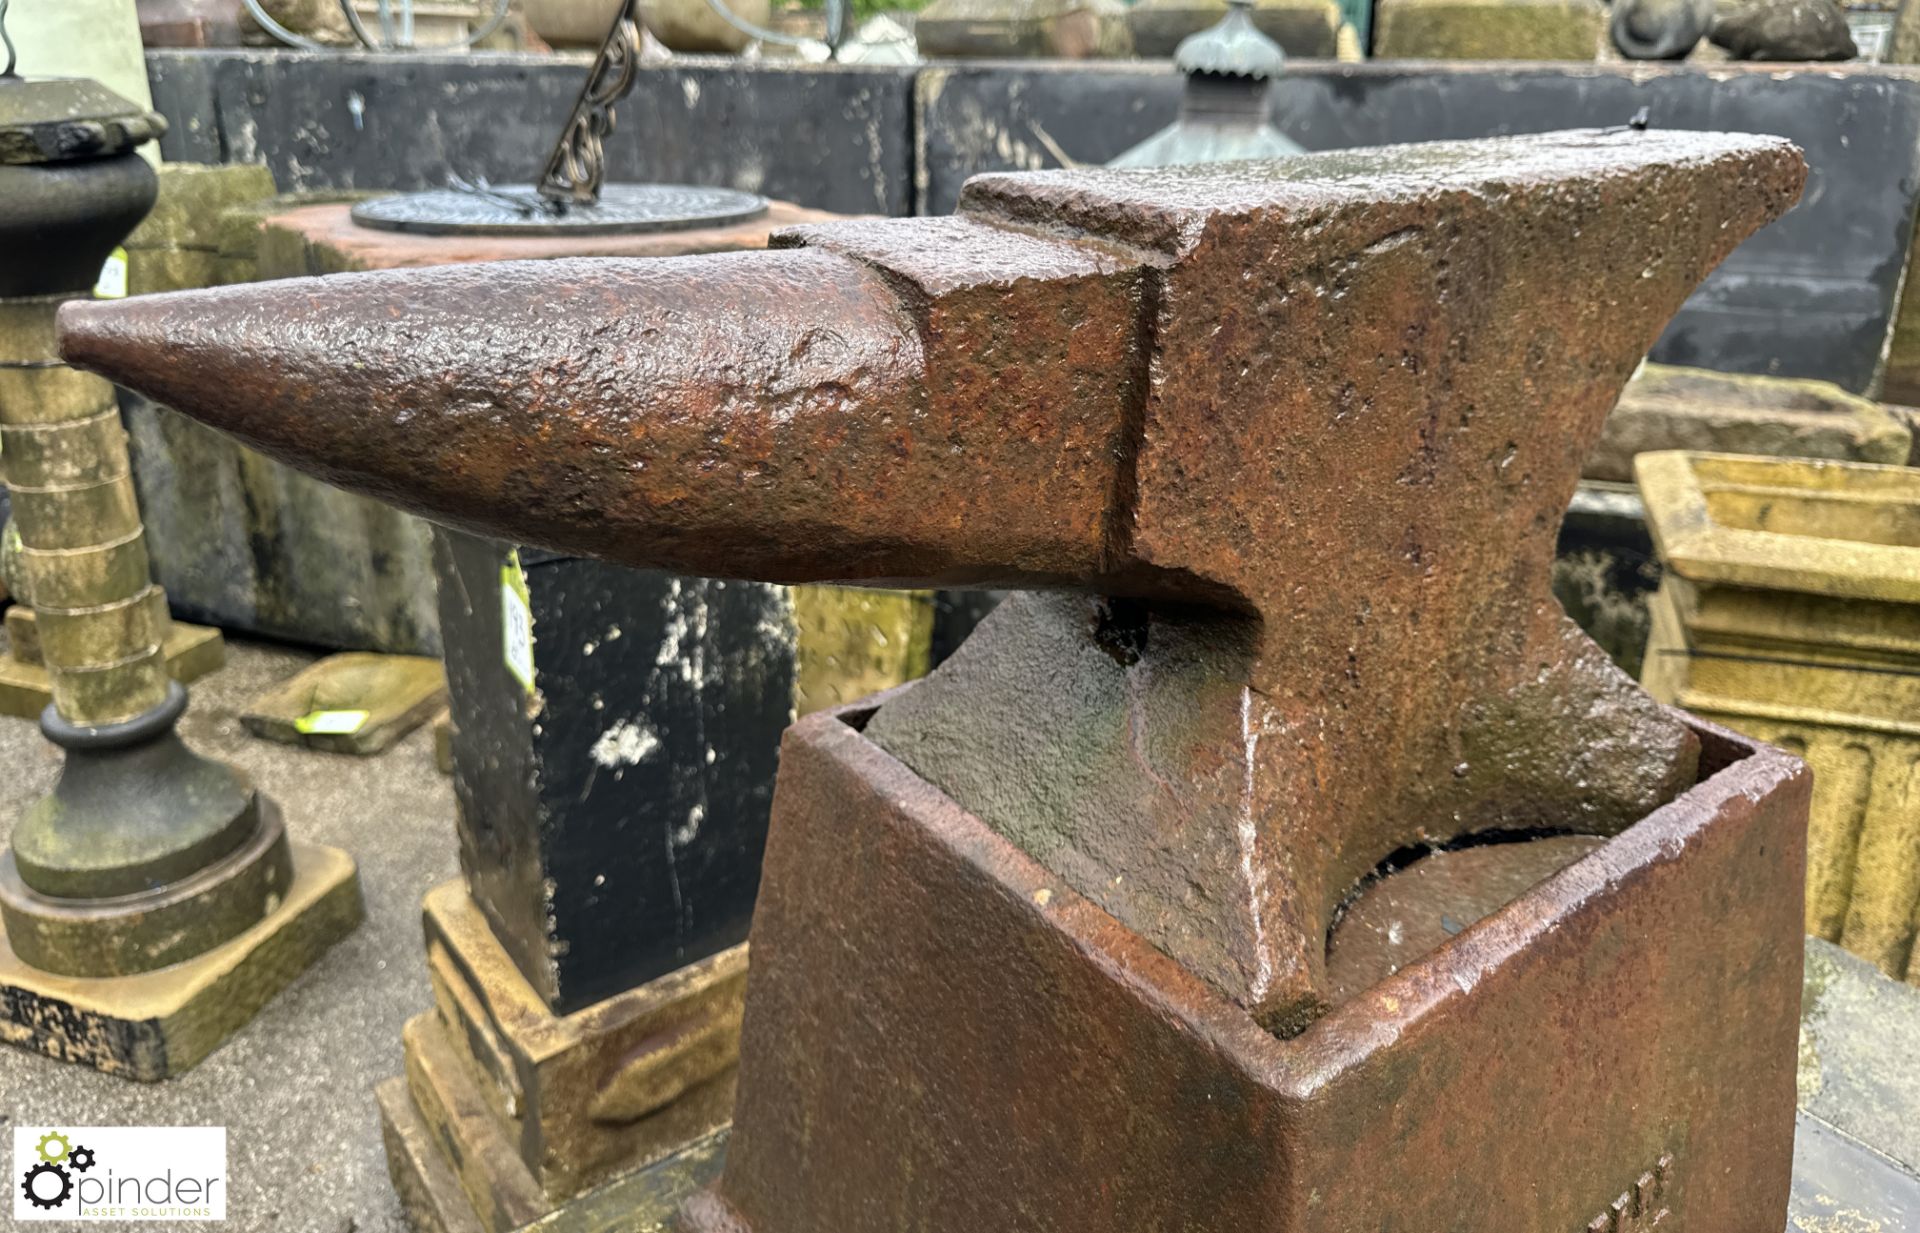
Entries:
{"x":942,"y":1036}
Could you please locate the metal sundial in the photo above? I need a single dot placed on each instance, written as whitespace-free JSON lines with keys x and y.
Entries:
{"x":520,"y":209}
{"x":570,"y":198}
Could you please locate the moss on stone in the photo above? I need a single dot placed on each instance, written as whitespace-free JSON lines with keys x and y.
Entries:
{"x":856,"y":641}
{"x":1480,"y":30}
{"x":193,"y":196}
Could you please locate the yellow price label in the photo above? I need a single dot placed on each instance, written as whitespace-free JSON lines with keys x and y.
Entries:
{"x":113,"y":277}
{"x":330,"y":723}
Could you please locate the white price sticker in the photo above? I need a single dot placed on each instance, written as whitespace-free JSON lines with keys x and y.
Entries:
{"x":113,"y":277}
{"x":516,"y":621}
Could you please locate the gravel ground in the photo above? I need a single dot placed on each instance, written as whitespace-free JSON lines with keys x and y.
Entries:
{"x":295,"y":1087}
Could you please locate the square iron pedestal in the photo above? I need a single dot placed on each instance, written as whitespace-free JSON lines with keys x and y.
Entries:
{"x":943,"y":1037}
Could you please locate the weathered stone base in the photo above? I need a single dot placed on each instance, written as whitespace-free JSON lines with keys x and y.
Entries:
{"x":160,"y":1024}
{"x":1850,"y":721}
{"x":643,"y":1201}
{"x":192,"y":652}
{"x":131,"y":935}
{"x":531,"y":1114}
{"x":374,"y":701}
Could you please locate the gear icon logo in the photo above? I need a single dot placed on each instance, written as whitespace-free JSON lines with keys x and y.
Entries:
{"x":49,"y":1182}
{"x":47,"y":1185}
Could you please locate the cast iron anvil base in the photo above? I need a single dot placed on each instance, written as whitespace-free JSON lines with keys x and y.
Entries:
{"x":974,"y":1046}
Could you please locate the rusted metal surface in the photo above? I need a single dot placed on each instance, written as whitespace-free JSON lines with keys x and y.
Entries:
{"x":942,"y":1035}
{"x":1042,"y":940}
{"x":1405,"y":912}
{"x":1321,"y":421}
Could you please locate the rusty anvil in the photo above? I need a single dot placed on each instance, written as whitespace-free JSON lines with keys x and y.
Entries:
{"x":1069,"y":935}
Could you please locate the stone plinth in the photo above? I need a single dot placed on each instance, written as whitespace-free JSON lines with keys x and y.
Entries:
{"x":1605,"y":571}
{"x":532,"y":1110}
{"x":154,"y":1025}
{"x":1791,"y":611}
{"x":613,"y":776}
{"x":1670,"y":408}
{"x":614,"y":780}
{"x":177,"y":247}
{"x":1488,"y":29}
{"x":1305,"y":28}
{"x":1001,"y":29}
{"x":353,"y":703}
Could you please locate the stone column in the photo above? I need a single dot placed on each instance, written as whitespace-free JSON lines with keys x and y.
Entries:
{"x":170,"y":250}
{"x":145,"y":856}
{"x":83,"y":553}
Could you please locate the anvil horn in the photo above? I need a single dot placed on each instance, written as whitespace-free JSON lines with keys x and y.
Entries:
{"x":760,"y":414}
{"x":1338,"y":403}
